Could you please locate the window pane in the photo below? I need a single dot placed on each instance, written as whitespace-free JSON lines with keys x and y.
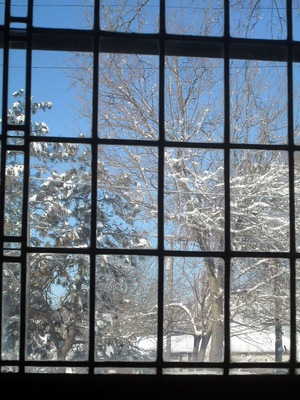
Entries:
{"x":193,"y":303}
{"x":298,"y":310}
{"x":16,"y":86}
{"x":77,"y":14}
{"x":59,"y":195}
{"x":2,"y":12}
{"x":126,"y":307}
{"x":14,"y":181}
{"x":57,"y":307}
{"x":129,"y":16}
{"x":259,"y":200}
{"x":18,"y":8}
{"x":1,"y":81}
{"x":128,"y":96}
{"x":194,"y":99}
{"x":296,"y":95}
{"x":258,"y":102}
{"x":194,"y":199}
{"x":259,"y":371}
{"x":297,"y":198}
{"x":262,"y":19}
{"x":58,"y":89}
{"x":127,"y":197}
{"x":260,"y":310}
{"x":57,"y":370}
{"x":296,"y":19}
{"x":10,"y":323}
{"x":193,"y":17}
{"x":125,"y":371}
{"x":193,"y":371}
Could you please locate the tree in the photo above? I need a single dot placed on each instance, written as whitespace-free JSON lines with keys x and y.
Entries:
{"x":57,"y":285}
{"x":59,"y":204}
{"x":194,"y":178}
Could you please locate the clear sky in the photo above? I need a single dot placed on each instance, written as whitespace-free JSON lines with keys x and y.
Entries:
{"x":49,"y":69}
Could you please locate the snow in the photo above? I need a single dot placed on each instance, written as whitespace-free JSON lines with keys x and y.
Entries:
{"x":256,"y":342}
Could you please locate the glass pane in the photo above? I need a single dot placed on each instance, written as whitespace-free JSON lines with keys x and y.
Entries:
{"x":259,"y":200}
{"x":9,"y":369}
{"x":194,"y":199}
{"x":297,"y":198}
{"x":192,"y":371}
{"x":16,"y":86}
{"x":14,"y":180}
{"x":16,"y":116}
{"x":193,"y":309}
{"x":18,"y":8}
{"x":296,"y":19}
{"x":298,"y":311}
{"x":75,"y":14}
{"x":296,"y":95}
{"x":129,"y":16}
{"x":14,"y":141}
{"x":125,"y":371}
{"x":258,"y":102}
{"x":2,"y":12}
{"x":126,"y":307}
{"x":57,"y":325}
{"x":258,"y":371}
{"x":260,"y":310}
{"x":194,"y":17}
{"x":1,"y":80}
{"x":194,"y":99}
{"x":57,"y":370}
{"x":60,"y":194}
{"x":127,"y":197}
{"x":10,"y":323}
{"x":58,"y":88}
{"x":128,"y":96}
{"x":262,"y":19}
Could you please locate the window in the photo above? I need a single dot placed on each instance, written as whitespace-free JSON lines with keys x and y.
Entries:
{"x":150,"y":187}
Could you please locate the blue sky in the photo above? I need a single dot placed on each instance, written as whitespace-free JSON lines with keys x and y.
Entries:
{"x":49,"y":82}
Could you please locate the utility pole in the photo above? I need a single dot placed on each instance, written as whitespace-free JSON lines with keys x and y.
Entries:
{"x":278,"y":320}
{"x":169,"y":299}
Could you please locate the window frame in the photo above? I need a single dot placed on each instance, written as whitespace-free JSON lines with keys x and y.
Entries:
{"x":160,"y":44}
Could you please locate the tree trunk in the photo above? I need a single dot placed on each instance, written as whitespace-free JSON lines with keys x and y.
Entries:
{"x":196,"y":348}
{"x":215,"y":276}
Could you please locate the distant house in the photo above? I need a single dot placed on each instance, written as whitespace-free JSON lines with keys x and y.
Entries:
{"x":258,"y":347}
{"x":244,"y":347}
